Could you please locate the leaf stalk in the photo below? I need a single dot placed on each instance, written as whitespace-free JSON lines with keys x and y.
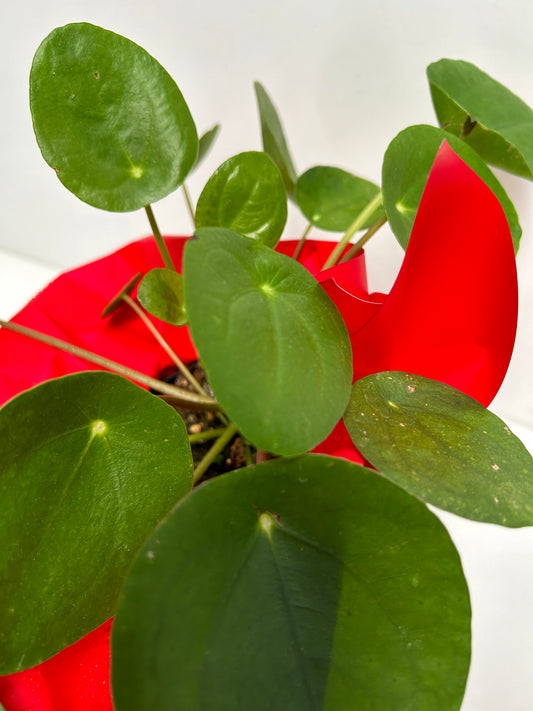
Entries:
{"x":180,"y":365}
{"x":356,"y":225}
{"x":163,"y":249}
{"x":301,"y":241}
{"x":184,"y":398}
{"x":358,"y":246}
{"x":229,"y":432}
{"x":188,"y":202}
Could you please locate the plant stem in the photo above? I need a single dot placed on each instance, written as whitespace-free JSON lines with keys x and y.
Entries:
{"x":188,"y":201}
{"x":180,"y":365}
{"x":203,"y":465}
{"x":248,"y":454}
{"x":301,"y":242}
{"x":206,"y":435}
{"x":356,"y":225}
{"x":185,"y":398}
{"x":364,"y":239}
{"x":163,"y":250}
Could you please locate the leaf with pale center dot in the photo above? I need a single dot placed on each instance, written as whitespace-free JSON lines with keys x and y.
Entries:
{"x":93,"y":464}
{"x":274,"y":346}
{"x":311,"y":584}
{"x":161,"y":294}
{"x":443,"y":447}
{"x":406,"y":166}
{"x":109,"y":119}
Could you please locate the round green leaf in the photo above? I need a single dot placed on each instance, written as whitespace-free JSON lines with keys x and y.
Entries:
{"x":489,"y":117}
{"x":406,"y":166}
{"x":109,"y":119}
{"x":161,"y":294}
{"x":443,"y":447}
{"x":275,"y":348}
{"x":309,"y":584}
{"x":93,"y":464}
{"x":245,"y":194}
{"x":274,"y":141}
{"x":332,"y":198}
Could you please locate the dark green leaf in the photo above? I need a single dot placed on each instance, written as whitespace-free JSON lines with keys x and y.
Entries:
{"x":297,"y":585}
{"x":93,"y":464}
{"x":109,"y":119}
{"x":493,"y":120}
{"x":406,"y":166}
{"x":245,"y":194}
{"x":161,"y":294}
{"x":275,"y":347}
{"x":443,"y":447}
{"x":205,"y":143}
{"x":332,"y":198}
{"x":274,"y":141}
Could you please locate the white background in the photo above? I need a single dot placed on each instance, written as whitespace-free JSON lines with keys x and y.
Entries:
{"x":347,"y":77}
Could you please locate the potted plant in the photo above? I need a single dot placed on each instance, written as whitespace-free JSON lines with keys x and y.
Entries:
{"x":254,"y":532}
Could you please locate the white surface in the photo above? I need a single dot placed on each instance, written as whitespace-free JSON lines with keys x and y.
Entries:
{"x":20,"y":280}
{"x":347,"y":76}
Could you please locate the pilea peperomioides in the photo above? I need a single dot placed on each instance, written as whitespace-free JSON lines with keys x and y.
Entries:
{"x":315,"y":576}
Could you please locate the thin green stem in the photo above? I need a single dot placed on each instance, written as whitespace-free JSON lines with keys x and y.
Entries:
{"x":248,"y":454}
{"x":188,"y":202}
{"x":203,"y":465}
{"x":180,"y":365}
{"x":184,"y":398}
{"x":356,"y":225}
{"x":358,"y":246}
{"x":163,"y":250}
{"x":206,"y":436}
{"x":301,"y":242}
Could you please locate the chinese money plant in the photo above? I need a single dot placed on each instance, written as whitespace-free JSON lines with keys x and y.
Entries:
{"x":310,"y":574}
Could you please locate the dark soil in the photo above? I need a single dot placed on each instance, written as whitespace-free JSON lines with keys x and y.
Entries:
{"x":237,"y":454}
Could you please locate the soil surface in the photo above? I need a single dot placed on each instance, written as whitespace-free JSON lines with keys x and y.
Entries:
{"x":238,"y":452}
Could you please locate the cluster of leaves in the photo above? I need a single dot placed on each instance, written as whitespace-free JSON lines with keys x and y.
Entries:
{"x":305,"y":582}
